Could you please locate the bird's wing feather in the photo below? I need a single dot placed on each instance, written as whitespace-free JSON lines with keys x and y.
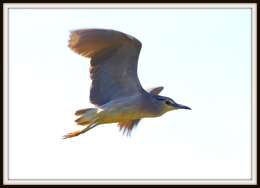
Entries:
{"x":114,"y":57}
{"x":155,"y":90}
{"x":127,"y":126}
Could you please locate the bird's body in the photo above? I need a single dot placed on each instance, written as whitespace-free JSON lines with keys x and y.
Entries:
{"x":116,"y":90}
{"x":129,"y":108}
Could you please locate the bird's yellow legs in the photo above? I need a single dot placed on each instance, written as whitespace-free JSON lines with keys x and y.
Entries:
{"x":76,"y":133}
{"x":72,"y":134}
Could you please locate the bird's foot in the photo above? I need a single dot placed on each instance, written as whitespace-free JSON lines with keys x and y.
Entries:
{"x":72,"y":134}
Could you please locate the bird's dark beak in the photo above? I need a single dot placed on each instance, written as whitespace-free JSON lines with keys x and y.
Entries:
{"x":180,"y":106}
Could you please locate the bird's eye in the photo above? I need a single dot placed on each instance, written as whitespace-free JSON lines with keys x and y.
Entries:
{"x":168,"y":102}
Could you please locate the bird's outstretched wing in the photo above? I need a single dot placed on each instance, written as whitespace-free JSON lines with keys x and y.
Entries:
{"x":155,"y":90}
{"x":114,"y":57}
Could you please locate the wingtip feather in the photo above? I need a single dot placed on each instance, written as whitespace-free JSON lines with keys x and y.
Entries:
{"x":74,"y":39}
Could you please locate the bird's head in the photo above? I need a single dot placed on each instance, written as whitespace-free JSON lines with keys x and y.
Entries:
{"x":169,"y":104}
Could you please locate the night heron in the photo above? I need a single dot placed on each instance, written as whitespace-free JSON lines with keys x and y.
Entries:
{"x":115,"y":89}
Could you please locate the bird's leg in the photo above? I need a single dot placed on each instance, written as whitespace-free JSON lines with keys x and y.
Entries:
{"x":76,"y":133}
{"x":72,"y":134}
{"x":88,"y":128}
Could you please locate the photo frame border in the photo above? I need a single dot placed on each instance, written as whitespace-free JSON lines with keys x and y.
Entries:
{"x":6,"y":131}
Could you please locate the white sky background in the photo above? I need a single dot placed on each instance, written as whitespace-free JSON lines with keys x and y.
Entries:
{"x":201,"y":57}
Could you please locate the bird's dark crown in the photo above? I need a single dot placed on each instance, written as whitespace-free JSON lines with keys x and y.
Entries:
{"x":167,"y":100}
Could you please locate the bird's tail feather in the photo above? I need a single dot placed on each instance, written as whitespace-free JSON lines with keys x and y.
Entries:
{"x":82,"y":111}
{"x":87,"y":116}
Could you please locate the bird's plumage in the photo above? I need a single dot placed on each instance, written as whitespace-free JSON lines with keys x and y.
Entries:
{"x":114,"y":57}
{"x":115,"y":89}
{"x":127,"y":126}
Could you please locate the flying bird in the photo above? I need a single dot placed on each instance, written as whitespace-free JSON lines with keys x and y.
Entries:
{"x":115,"y":90}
